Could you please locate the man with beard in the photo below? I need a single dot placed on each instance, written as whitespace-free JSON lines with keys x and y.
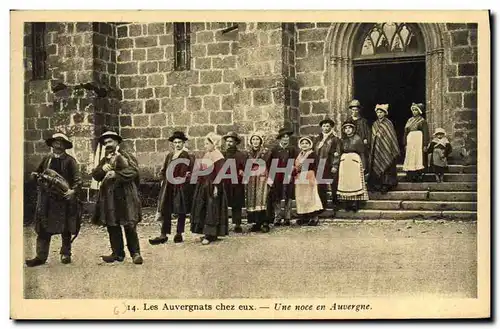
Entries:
{"x":55,"y":213}
{"x":235,"y":192}
{"x":118,"y":202}
{"x":327,"y":148}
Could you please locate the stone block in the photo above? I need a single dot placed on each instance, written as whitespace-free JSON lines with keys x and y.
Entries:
{"x":460,"y":84}
{"x":145,"y":145}
{"x":125,"y":43}
{"x":221,"y":48}
{"x":156,"y":80}
{"x":466,"y":115}
{"x":152,"y":106}
{"x":209,"y":77}
{"x":127,"y":68}
{"x":172,"y":104}
{"x":125,"y":121}
{"x":139,"y":54}
{"x":230,"y":76}
{"x":131,"y":107}
{"x":202,"y":63}
{"x":181,"y":118}
{"x":183,"y":78}
{"x":312,"y":35}
{"x":470,"y":100}
{"x":193,"y":103}
{"x":462,"y":55}
{"x":199,"y":50}
{"x":157,"y":53}
{"x":302,"y":26}
{"x":158,"y":120}
{"x":129,"y":93}
{"x":200,"y":131}
{"x":310,"y":64}
{"x":201,"y":90}
{"x":321,"y":107}
{"x":162,"y":92}
{"x":262,"y":97}
{"x":211,"y":103}
{"x":221,"y":117}
{"x":315,"y":48}
{"x":307,"y":94}
{"x":453,"y":100}
{"x":456,"y":26}
{"x":200,"y":117}
{"x":156,"y":28}
{"x":248,"y":40}
{"x":140,"y":120}
{"x":222,"y":89}
{"x":145,"y":42}
{"x":205,"y":37}
{"x":307,"y":79}
{"x":469,"y":69}
{"x":136,"y":81}
{"x":180,"y":91}
{"x":148,"y":67}
{"x":227,"y":62}
{"x":261,"y":82}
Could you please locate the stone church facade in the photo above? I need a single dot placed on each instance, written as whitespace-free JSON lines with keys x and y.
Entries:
{"x":146,"y":80}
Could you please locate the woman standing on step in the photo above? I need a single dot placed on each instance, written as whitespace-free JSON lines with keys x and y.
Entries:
{"x":352,"y":186}
{"x":258,"y":185}
{"x":384,"y":152}
{"x":416,"y":139}
{"x":307,"y":198}
{"x":209,"y":212}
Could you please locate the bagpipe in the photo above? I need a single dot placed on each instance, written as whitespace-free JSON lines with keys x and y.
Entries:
{"x":52,"y":182}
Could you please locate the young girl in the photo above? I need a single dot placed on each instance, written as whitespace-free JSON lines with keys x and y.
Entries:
{"x":439,"y":150}
{"x":307,"y":198}
{"x":352,"y":186}
{"x":209,"y":212}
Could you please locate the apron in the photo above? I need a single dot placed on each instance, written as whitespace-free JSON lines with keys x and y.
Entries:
{"x":352,"y":185}
{"x":414,"y":159}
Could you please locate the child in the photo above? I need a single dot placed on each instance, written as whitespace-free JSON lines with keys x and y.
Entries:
{"x":352,"y":185}
{"x":307,"y":198}
{"x":439,"y":150}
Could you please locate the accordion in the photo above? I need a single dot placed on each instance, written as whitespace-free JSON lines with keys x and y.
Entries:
{"x":51,"y":181}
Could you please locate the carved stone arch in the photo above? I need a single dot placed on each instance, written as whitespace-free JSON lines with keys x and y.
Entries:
{"x":341,"y":43}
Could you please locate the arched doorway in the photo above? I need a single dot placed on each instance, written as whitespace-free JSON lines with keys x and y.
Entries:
{"x":406,"y":58}
{"x":389,"y":68}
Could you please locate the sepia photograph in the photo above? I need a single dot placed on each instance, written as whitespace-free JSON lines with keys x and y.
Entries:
{"x":208,"y":161}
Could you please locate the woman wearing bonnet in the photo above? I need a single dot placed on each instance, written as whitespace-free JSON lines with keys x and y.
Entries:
{"x":209,"y":212}
{"x":416,"y":139}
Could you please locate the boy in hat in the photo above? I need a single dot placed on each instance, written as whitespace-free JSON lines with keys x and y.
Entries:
{"x":439,"y":149}
{"x":282,"y":188}
{"x":118,"y":203}
{"x":175,"y":197}
{"x":235,"y":192}
{"x":55,"y":213}
{"x":327,"y":148}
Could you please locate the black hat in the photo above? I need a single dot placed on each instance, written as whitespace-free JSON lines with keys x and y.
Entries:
{"x":349,"y":123}
{"x":60,"y":137}
{"x":284,"y":131}
{"x":178,"y":135}
{"x":327,"y":120}
{"x":355,"y":103}
{"x":110,"y":134}
{"x":234,"y":135}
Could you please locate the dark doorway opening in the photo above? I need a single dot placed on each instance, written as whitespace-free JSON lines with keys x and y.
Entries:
{"x":396,"y":84}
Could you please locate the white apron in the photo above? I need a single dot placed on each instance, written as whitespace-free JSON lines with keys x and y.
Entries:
{"x":307,"y":198}
{"x":414,"y":159}
{"x":352,"y":185}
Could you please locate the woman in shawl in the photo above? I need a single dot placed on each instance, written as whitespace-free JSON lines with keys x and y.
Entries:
{"x":209,"y":212}
{"x":384,"y":152}
{"x":439,"y":150}
{"x":258,"y":184}
{"x":352,"y":186}
{"x":416,"y":139}
{"x":307,"y":198}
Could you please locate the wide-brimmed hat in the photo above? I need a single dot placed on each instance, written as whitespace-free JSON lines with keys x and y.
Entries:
{"x":382,"y":107}
{"x":348,"y":123}
{"x":439,"y":131}
{"x":355,"y":103}
{"x":234,"y":135}
{"x":110,"y":134}
{"x":327,"y":120}
{"x":420,"y":107}
{"x":178,"y":135}
{"x":284,"y":131}
{"x":60,"y":137}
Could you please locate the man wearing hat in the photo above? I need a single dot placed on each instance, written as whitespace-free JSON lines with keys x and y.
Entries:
{"x":235,"y":192}
{"x":362,"y":127}
{"x":282,"y":188}
{"x":56,"y":213}
{"x":118,"y":203}
{"x":327,"y":148}
{"x":175,"y":196}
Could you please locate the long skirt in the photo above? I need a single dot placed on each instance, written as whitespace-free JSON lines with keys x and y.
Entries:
{"x":257,"y":192}
{"x":352,"y":185}
{"x":306,"y":194}
{"x":414,"y":159}
{"x":209,"y":214}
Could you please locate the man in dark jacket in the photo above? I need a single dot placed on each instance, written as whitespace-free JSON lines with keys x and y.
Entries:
{"x":235,"y":192}
{"x":118,"y":201}
{"x":327,"y":148}
{"x":57,"y":213}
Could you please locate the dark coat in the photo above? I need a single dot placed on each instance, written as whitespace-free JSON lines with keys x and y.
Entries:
{"x":280,"y":188}
{"x":235,"y":192}
{"x":118,"y":201}
{"x":330,"y":150}
{"x":176,"y":198}
{"x":54,"y":214}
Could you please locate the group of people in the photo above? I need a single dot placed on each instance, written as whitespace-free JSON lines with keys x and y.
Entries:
{"x":259,"y":179}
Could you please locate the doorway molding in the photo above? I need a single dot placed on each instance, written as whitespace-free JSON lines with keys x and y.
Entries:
{"x":342,"y":41}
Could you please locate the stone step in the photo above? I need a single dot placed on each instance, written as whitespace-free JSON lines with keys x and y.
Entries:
{"x":447,"y":177}
{"x":425,"y":196}
{"x":420,"y":205}
{"x":402,"y":214}
{"x":453,"y":169}
{"x":450,"y":186}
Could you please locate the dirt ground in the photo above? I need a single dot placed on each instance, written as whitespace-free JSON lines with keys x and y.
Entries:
{"x":336,"y":259}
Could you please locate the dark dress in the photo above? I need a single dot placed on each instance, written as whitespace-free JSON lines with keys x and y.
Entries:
{"x":280,"y":189}
{"x":438,"y":155}
{"x":118,"y":201}
{"x":235,"y":192}
{"x":209,"y":213}
{"x":364,"y":132}
{"x":258,"y":188}
{"x":54,"y":214}
{"x":175,"y":198}
{"x":329,"y":151}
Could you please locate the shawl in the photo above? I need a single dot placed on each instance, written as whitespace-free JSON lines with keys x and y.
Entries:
{"x":413,"y":122}
{"x":443,"y":141}
{"x":325,"y":137}
{"x":303,"y":155}
{"x":385,"y":148}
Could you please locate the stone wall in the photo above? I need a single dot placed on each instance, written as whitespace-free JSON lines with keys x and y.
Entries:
{"x":461,"y":81}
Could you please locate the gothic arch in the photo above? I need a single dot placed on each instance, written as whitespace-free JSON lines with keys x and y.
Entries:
{"x":339,"y":52}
